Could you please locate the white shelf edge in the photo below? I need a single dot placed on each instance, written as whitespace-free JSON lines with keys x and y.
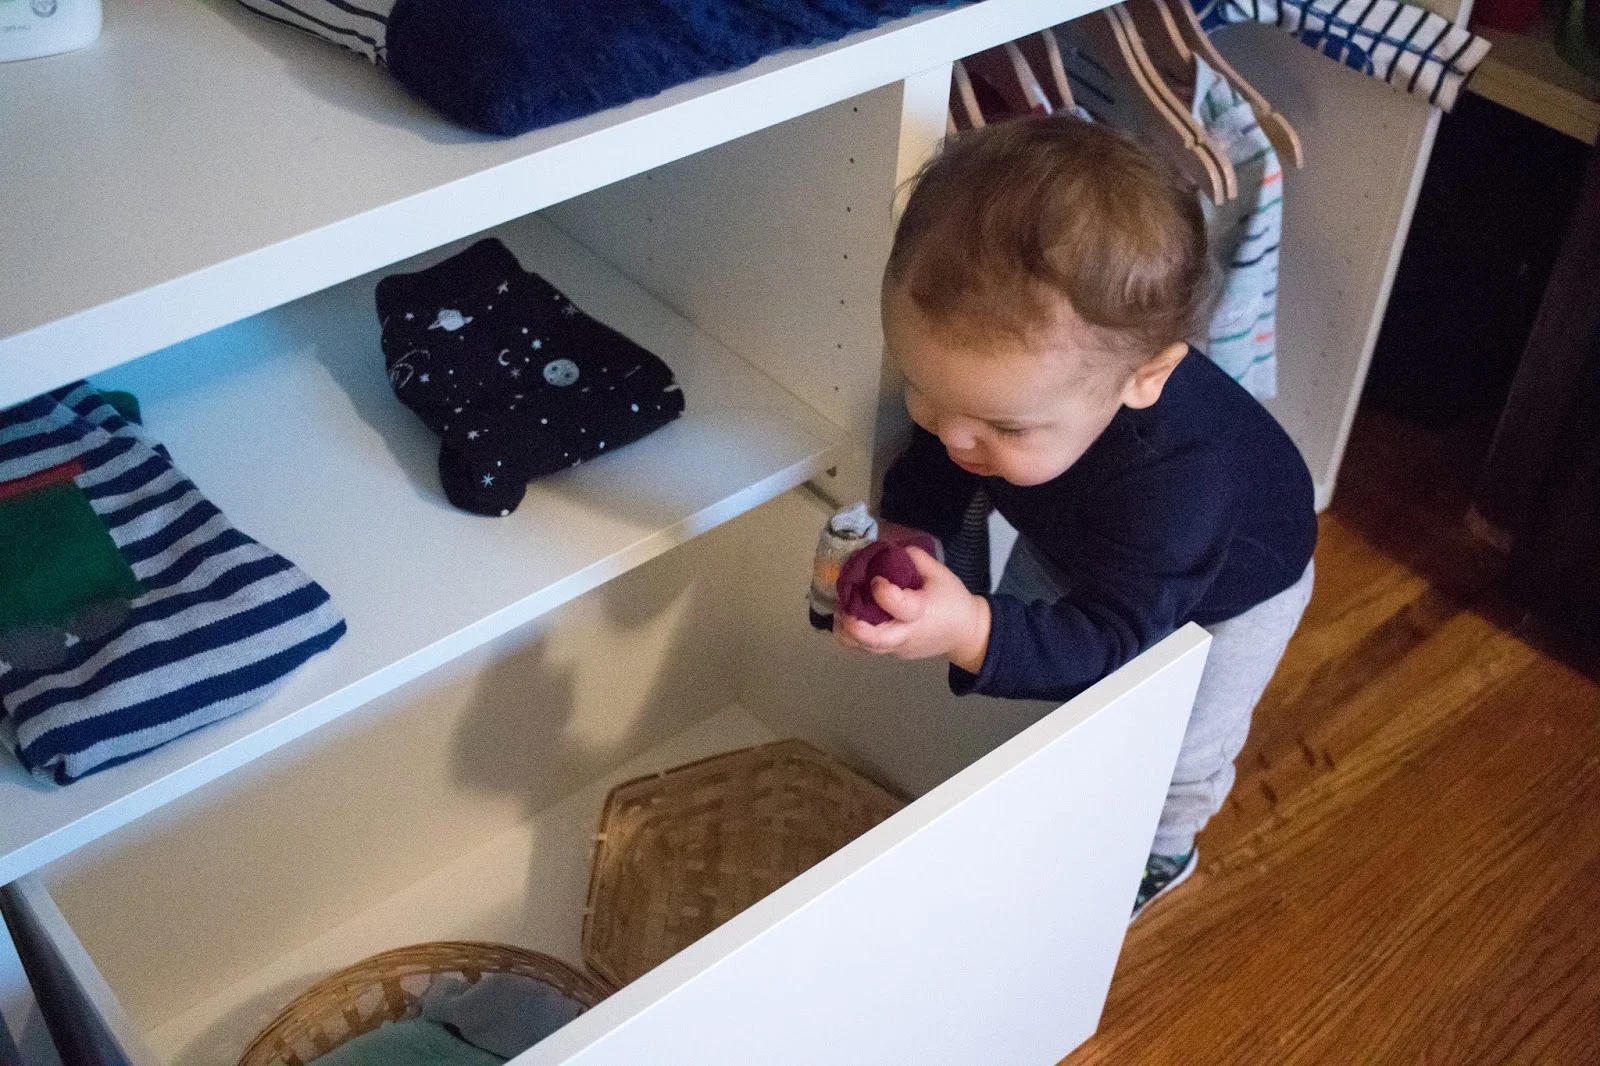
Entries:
{"x":597,"y":151}
{"x":290,"y":727}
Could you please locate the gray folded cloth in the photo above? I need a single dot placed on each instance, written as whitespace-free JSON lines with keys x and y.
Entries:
{"x":504,"y":1014}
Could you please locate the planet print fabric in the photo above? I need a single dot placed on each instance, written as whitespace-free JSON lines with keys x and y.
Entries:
{"x":516,"y":380}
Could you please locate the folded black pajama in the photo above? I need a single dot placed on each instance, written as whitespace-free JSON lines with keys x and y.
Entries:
{"x":517,"y":381}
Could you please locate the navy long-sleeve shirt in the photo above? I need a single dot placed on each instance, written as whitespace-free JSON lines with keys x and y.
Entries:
{"x":1196,"y":508}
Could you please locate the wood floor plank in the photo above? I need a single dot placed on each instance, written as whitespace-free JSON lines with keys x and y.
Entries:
{"x":1409,"y":869}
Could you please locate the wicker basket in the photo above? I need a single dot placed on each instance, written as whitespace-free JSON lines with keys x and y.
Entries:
{"x":386,"y":988}
{"x":680,"y":853}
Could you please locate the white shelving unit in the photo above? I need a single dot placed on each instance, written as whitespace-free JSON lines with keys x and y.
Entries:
{"x":544,"y":859}
{"x":199,"y":165}
{"x":197,"y":209}
{"x":288,"y":422}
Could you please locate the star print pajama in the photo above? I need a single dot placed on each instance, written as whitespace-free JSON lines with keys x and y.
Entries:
{"x":517,"y":381}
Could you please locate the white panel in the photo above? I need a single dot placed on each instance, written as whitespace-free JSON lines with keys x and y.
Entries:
{"x":86,"y":1020}
{"x":308,"y":836}
{"x":15,"y":999}
{"x":1345,"y":220}
{"x":526,"y":886}
{"x":287,"y":422}
{"x":773,"y":244}
{"x":198,"y":165}
{"x":19,"y":1013}
{"x":979,"y":925}
{"x":924,"y":111}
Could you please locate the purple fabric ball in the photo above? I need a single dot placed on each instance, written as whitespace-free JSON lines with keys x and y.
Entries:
{"x":878,"y":559}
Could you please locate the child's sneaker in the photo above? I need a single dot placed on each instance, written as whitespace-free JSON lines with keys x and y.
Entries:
{"x":1162,"y":874}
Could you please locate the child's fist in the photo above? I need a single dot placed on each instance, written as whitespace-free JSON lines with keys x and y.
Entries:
{"x":940,"y":619}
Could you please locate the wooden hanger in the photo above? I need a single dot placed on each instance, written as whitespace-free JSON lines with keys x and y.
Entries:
{"x":1118,"y":84}
{"x":1168,"y":52}
{"x":963,"y":101}
{"x":1028,"y":80}
{"x":1043,"y":54}
{"x":1284,"y":140}
{"x":1144,"y":67}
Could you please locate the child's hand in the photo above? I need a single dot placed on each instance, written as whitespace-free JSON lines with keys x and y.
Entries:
{"x":940,"y":619}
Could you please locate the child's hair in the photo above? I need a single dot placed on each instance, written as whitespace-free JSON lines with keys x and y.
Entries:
{"x":1010,"y":219}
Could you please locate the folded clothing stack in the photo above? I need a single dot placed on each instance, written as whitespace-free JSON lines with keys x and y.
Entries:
{"x":516,"y":381}
{"x":509,"y":66}
{"x":131,"y":612}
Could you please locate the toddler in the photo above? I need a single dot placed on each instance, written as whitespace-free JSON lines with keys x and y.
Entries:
{"x":1043,"y":280}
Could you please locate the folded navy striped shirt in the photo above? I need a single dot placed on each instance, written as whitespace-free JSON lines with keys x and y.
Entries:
{"x":1407,"y":46}
{"x":220,"y":622}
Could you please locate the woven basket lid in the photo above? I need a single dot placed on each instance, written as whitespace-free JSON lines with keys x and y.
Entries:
{"x":387,"y":987}
{"x":680,"y":853}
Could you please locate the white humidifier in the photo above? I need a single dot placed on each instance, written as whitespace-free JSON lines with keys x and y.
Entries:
{"x":31,"y":28}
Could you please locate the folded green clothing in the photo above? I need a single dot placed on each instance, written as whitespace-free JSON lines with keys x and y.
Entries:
{"x":413,"y":1042}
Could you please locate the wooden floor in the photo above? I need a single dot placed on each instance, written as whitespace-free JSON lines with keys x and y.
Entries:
{"x":1408,"y":870}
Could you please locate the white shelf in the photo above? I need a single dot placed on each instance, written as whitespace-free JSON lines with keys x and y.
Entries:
{"x":287,"y":423}
{"x":527,"y":887}
{"x":199,"y":165}
{"x":1524,"y":73}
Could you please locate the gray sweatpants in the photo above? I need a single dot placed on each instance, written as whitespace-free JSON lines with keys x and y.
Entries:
{"x":1245,"y":651}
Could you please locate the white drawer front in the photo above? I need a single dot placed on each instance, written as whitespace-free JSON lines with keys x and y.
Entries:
{"x":981,"y":924}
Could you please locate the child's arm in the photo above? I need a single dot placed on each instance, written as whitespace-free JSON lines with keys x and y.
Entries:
{"x":939,"y":620}
{"x":1154,"y":550}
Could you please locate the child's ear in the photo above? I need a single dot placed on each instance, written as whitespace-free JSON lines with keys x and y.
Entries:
{"x":1144,"y":387}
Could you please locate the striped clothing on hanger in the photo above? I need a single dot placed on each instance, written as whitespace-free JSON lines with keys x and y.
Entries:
{"x":1244,"y":235}
{"x":1406,"y":46}
{"x":220,"y":620}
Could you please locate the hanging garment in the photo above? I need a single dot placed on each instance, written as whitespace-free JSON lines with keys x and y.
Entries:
{"x":213,"y":621}
{"x":509,"y":66}
{"x":1244,"y":236}
{"x":1409,"y":47}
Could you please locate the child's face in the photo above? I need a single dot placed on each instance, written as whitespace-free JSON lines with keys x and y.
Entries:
{"x":1023,"y":412}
